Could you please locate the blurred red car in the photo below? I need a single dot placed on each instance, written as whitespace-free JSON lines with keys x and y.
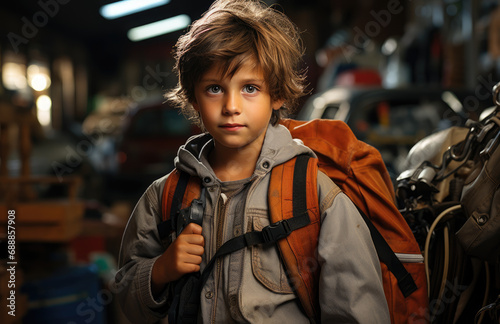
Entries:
{"x":151,"y":137}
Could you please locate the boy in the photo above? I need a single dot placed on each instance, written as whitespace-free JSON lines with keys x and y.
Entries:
{"x":238,"y":68}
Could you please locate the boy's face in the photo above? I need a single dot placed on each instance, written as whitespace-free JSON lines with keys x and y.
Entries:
{"x":235,"y":110}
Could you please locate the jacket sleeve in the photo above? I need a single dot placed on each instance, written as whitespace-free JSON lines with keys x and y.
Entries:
{"x":350,"y":284}
{"x":140,"y":247}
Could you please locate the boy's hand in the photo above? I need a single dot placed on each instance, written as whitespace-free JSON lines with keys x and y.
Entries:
{"x":181,"y":257}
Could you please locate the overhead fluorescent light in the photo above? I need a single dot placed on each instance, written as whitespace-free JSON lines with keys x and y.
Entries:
{"x":128,"y":7}
{"x":158,"y":28}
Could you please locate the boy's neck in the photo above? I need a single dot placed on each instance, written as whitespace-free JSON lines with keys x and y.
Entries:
{"x":232,"y":165}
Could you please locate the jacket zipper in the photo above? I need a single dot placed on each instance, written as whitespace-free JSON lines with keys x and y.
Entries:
{"x":221,"y":216}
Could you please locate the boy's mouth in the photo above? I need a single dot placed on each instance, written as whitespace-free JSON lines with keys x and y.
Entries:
{"x":232,"y":127}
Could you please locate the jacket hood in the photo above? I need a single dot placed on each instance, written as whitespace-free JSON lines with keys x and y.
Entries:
{"x":278,"y":148}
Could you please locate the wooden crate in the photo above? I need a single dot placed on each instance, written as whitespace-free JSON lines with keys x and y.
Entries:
{"x":48,"y":220}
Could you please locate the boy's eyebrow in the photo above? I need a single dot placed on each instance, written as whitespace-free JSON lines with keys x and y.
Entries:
{"x":254,"y":80}
{"x":249,"y":80}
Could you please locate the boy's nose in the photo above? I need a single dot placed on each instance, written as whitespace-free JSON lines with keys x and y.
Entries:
{"x":232,"y":104}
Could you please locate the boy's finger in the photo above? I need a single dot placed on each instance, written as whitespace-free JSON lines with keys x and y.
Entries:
{"x":192,"y":234}
{"x":193,"y":259}
{"x":196,"y":249}
{"x":195,"y":239}
{"x":192,"y":228}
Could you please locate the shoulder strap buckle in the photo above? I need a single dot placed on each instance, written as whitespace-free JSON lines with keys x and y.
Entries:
{"x":276,"y":231}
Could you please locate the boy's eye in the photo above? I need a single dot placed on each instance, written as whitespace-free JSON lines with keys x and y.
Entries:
{"x":214,"y":89}
{"x":250,"y":88}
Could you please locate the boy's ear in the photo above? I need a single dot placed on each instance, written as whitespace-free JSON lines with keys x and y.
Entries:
{"x":195,"y":105}
{"x":277,"y":104}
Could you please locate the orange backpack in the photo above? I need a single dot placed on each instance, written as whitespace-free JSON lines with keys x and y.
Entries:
{"x":358,"y":169}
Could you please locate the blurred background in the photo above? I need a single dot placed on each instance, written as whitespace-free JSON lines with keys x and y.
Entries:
{"x":84,"y":130}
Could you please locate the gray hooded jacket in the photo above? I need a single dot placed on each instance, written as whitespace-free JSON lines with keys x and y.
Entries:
{"x":250,"y":285}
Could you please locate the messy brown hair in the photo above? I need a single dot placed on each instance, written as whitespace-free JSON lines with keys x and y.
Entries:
{"x":229,"y":33}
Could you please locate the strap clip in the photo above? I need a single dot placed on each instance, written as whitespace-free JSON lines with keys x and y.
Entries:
{"x":276,"y":231}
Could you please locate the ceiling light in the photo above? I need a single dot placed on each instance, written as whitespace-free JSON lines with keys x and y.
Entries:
{"x":38,"y":77}
{"x":159,"y":28}
{"x":14,"y":76}
{"x":128,"y":7}
{"x":44,"y":106}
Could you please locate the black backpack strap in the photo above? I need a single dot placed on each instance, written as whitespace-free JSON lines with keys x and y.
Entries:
{"x":169,"y":225}
{"x":184,"y":304}
{"x":269,"y":234}
{"x":388,"y":257}
{"x":299,"y":187}
{"x":180,"y":189}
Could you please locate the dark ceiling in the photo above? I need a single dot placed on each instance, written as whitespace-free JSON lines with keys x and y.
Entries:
{"x":81,"y":19}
